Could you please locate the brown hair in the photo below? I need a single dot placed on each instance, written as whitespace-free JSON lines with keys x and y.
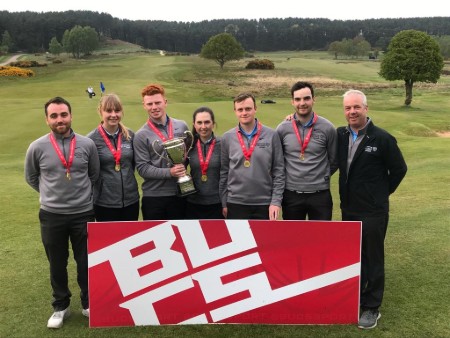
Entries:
{"x":153,"y":89}
{"x":57,"y":100}
{"x":197,"y":111}
{"x":112,"y":102}
{"x":244,"y":96}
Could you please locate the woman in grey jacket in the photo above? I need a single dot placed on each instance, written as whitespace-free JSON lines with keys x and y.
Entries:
{"x":204,"y":162}
{"x":116,"y":196}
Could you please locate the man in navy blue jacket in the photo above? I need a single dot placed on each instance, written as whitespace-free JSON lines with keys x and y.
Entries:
{"x":371,"y":167}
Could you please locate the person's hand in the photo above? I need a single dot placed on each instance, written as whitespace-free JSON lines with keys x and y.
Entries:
{"x":225,"y":212}
{"x":289,"y":117}
{"x":274,"y":212}
{"x":178,"y":170}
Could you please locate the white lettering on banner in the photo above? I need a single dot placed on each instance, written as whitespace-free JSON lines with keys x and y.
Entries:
{"x":142,"y":310}
{"x":126,"y":267}
{"x":197,"y":247}
{"x":126,"y":270}
{"x":213,"y":288}
{"x":262,"y":294}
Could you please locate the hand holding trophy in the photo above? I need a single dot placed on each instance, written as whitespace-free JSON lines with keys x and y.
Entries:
{"x":177,"y":150}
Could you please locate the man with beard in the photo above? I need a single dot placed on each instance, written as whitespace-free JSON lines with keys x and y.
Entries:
{"x":63,"y":166}
{"x":309,"y":147}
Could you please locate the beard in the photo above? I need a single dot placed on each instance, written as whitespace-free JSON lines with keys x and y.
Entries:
{"x":61,"y":129}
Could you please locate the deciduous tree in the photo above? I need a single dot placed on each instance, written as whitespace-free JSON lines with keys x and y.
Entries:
{"x":80,"y":41}
{"x":412,"y":56}
{"x":222,"y":48}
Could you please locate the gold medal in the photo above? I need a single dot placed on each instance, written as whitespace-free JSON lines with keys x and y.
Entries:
{"x":246,"y":163}
{"x":204,"y":178}
{"x":302,"y":157}
{"x":68,"y":176}
{"x":117,"y":167}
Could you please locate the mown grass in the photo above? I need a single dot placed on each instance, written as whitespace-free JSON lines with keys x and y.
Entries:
{"x":418,"y":239}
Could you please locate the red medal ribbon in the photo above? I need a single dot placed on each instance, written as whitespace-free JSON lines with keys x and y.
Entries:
{"x":66,"y":164}
{"x":204,"y":163}
{"x":157,"y":132}
{"x":305,"y":143}
{"x":248,"y":152}
{"x":117,"y":153}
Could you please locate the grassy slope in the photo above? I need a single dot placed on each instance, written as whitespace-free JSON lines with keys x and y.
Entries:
{"x":418,"y":239}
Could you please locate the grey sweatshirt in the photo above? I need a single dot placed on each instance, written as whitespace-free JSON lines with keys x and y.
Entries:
{"x":260,"y":184}
{"x":155,"y":170}
{"x":320,"y":162}
{"x":115,"y":189}
{"x":45,"y":173}
{"x":207,"y":192}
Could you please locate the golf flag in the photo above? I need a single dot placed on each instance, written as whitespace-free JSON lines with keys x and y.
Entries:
{"x":223,"y":271}
{"x":102,"y":87}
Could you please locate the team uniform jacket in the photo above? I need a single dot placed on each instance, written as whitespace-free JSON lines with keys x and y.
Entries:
{"x":115,"y":189}
{"x":151,"y":167}
{"x":45,"y":173}
{"x":260,"y":184}
{"x":320,"y":162}
{"x":207,"y":192}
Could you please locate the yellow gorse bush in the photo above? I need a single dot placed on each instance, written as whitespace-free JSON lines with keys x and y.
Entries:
{"x":15,"y":71}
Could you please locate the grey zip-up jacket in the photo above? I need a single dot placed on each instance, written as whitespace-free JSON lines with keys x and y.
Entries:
{"x":313,"y":173}
{"x":115,"y":189}
{"x":45,"y":173}
{"x":207,"y":192}
{"x":155,"y":170}
{"x":260,"y":184}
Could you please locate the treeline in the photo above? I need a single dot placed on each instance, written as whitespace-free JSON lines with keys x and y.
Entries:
{"x":32,"y":31}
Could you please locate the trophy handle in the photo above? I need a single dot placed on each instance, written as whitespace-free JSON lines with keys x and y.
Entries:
{"x":154,"y":149}
{"x":189,"y":135}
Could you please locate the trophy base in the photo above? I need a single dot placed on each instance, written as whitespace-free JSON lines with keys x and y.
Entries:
{"x":185,"y":186}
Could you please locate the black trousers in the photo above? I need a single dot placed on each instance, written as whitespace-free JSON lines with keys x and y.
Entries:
{"x":245,"y":211}
{"x":316,"y":206}
{"x":56,"y":231}
{"x":372,"y":258}
{"x":202,"y":211}
{"x":128,"y":213}
{"x":163,"y":207}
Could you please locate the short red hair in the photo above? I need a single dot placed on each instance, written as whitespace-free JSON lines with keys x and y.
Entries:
{"x":153,"y":89}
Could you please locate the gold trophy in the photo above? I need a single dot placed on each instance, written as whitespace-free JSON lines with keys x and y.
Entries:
{"x":177,"y":150}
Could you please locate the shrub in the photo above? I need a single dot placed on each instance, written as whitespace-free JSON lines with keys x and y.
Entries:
{"x":15,"y":71}
{"x":260,"y":64}
{"x":57,"y":61}
{"x":27,"y":64}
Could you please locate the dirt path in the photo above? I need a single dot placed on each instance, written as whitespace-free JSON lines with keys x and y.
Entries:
{"x":11,"y":59}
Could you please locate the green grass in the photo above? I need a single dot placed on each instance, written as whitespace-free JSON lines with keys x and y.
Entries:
{"x":418,"y":239}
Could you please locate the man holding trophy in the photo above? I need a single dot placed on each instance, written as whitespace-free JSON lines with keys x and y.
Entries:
{"x":160,"y":148}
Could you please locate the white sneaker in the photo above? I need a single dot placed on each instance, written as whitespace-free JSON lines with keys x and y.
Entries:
{"x":85,"y":312}
{"x":57,"y":318}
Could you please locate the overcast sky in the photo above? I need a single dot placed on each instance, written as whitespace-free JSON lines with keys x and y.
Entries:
{"x":198,"y":10}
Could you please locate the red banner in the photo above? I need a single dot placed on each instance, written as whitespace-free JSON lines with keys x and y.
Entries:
{"x":223,"y":271}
